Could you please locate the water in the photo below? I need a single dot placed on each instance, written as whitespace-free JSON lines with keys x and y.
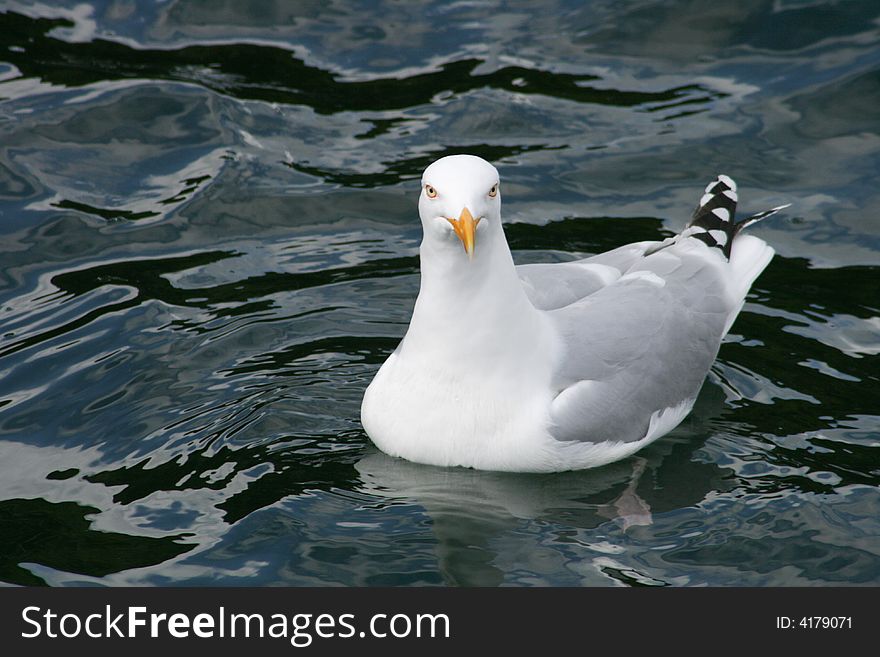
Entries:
{"x":208,"y":239}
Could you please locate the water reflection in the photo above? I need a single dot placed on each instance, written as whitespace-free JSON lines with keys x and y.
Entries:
{"x":57,"y":535}
{"x":475,"y":515}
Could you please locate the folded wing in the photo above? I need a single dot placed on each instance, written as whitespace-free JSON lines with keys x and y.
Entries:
{"x":641,"y":345}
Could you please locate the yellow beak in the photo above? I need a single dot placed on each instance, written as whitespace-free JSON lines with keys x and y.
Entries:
{"x":464,"y":227}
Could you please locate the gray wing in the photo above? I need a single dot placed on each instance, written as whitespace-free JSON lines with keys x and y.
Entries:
{"x":554,"y":285}
{"x":642,"y":344}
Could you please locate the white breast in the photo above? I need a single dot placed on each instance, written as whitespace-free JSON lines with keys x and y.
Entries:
{"x":461,"y":416}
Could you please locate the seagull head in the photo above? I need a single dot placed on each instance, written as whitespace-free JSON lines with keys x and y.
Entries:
{"x":460,"y":201}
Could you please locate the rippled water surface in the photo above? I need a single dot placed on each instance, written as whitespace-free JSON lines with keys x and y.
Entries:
{"x":208,"y":245}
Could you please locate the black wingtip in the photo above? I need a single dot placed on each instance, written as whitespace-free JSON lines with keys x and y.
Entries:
{"x":715,"y":215}
{"x":759,"y":216}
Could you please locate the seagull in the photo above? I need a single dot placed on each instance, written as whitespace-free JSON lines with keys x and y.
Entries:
{"x":554,"y":367}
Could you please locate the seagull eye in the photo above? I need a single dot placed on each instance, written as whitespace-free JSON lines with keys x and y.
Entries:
{"x":494,"y":191}
{"x":430,"y":191}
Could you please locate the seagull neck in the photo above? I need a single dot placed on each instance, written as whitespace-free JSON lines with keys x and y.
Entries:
{"x":467,"y":300}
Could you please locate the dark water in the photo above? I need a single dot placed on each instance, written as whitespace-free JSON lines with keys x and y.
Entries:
{"x":208,"y":244}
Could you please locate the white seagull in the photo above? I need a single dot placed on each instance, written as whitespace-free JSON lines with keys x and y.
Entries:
{"x":551,"y":367}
